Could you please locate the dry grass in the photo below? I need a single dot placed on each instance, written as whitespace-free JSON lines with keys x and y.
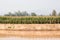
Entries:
{"x":28,"y":16}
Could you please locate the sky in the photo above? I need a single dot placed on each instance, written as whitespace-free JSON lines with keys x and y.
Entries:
{"x":43,"y":7}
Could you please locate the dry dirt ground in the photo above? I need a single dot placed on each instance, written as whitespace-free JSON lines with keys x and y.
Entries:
{"x":30,"y":30}
{"x":29,"y":33}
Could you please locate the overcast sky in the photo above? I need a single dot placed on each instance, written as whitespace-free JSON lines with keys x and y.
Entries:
{"x":37,"y":6}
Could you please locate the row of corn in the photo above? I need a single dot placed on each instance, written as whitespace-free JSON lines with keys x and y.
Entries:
{"x":30,"y":20}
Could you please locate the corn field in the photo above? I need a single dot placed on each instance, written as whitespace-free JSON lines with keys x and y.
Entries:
{"x":30,"y":20}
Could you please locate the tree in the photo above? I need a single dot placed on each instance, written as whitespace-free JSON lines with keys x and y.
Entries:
{"x":54,"y":13}
{"x":9,"y":14}
{"x":49,"y":14}
{"x":59,"y":14}
{"x":21,"y":13}
{"x":25,"y":13}
{"x":33,"y":14}
{"x":18,"y":13}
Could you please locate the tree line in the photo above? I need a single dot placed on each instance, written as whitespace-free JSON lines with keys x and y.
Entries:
{"x":18,"y":13}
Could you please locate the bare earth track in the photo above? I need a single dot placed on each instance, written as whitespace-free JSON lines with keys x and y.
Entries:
{"x":30,"y":30}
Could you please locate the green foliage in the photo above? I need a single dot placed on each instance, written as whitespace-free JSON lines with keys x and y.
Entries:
{"x":30,"y":20}
{"x":18,"y":13}
{"x":59,"y":14}
{"x":54,"y":13}
{"x":33,"y":14}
